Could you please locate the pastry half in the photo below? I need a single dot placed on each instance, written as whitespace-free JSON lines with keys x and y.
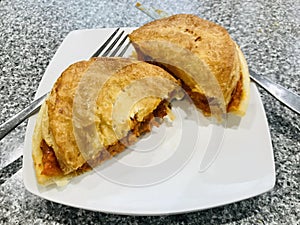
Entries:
{"x":95,"y":110}
{"x":203,"y":56}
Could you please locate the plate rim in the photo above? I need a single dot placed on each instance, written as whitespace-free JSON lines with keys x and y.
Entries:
{"x":30,"y":126}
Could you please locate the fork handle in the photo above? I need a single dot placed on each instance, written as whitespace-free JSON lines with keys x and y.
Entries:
{"x":282,"y":94}
{"x":14,"y":121}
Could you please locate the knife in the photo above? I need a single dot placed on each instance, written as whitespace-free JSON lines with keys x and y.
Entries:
{"x":288,"y":98}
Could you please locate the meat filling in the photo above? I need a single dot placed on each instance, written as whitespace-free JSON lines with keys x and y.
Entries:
{"x":50,"y":163}
{"x":51,"y":166}
{"x":200,"y":100}
{"x":204,"y":103}
{"x":236,"y":96}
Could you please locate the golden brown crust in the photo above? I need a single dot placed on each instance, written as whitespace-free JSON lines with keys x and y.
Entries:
{"x":97,"y":85}
{"x":108,"y":97}
{"x":60,"y":104}
{"x":189,"y":42}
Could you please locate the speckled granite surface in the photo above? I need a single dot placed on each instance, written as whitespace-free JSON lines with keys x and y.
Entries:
{"x":268,"y":33}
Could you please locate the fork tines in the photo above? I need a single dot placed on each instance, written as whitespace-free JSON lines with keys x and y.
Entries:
{"x":113,"y":49}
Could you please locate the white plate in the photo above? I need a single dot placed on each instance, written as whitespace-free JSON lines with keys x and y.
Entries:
{"x":169,"y":178}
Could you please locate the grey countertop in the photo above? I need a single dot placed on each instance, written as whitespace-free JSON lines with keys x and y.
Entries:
{"x":268,"y":33}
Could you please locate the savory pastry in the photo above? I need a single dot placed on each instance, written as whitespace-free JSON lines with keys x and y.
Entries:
{"x":203,"y":56}
{"x":95,"y":109}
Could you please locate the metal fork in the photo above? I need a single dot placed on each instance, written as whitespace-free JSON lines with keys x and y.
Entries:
{"x":34,"y":106}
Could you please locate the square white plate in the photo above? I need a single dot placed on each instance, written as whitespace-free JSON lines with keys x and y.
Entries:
{"x":167,"y":178}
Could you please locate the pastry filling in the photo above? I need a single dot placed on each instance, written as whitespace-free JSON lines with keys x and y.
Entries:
{"x":49,"y":160}
{"x":236,"y":96}
{"x":51,"y":166}
{"x":205,"y":104}
{"x":200,"y":100}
